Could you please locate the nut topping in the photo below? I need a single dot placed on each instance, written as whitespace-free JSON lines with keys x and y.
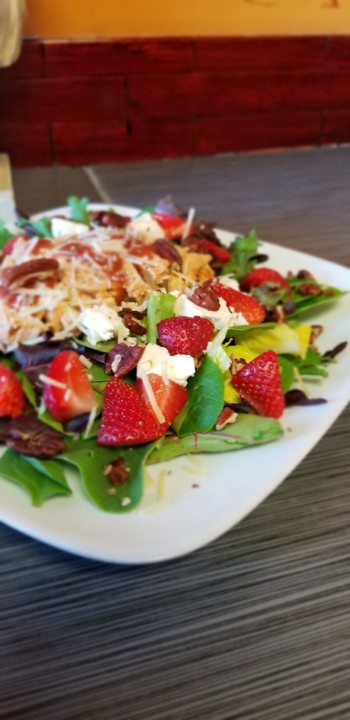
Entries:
{"x":18,"y":274}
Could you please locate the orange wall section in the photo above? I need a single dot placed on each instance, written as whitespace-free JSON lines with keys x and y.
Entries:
{"x":158,"y":18}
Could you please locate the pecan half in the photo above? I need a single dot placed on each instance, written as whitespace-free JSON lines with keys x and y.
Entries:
{"x":167,"y":251}
{"x":205,"y":297}
{"x":109,"y":219}
{"x":305,"y":275}
{"x":122,"y":359}
{"x":130,"y":322}
{"x":29,"y":436}
{"x":16,"y":275}
{"x":309,"y":289}
{"x":116,"y":472}
{"x":227,"y":415}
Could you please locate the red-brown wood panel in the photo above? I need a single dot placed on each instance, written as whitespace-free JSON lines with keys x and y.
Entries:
{"x":269,"y":54}
{"x":57,"y":100}
{"x":114,"y":57}
{"x":336,"y":127}
{"x":84,"y":143}
{"x":162,"y":138}
{"x":338,"y":54}
{"x":30,"y":63}
{"x":27,"y":144}
{"x":197,"y":94}
{"x":337,"y":89}
{"x":299,"y":91}
{"x":258,"y":131}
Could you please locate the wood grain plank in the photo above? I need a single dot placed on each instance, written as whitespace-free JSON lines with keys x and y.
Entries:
{"x":115,"y":57}
{"x":258,"y":131}
{"x":296,"y":91}
{"x":30,"y":63}
{"x":59,"y":100}
{"x":27,"y":144}
{"x":179,"y":95}
{"x":258,"y":54}
{"x":83,"y":143}
{"x":336,"y":127}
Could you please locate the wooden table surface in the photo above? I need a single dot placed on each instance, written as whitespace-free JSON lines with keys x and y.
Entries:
{"x":255,"y":626}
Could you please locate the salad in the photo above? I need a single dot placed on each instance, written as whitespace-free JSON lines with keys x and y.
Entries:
{"x":127,"y":341}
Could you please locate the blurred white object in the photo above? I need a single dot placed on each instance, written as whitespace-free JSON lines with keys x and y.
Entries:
{"x":7,"y":199}
{"x":12,"y":14}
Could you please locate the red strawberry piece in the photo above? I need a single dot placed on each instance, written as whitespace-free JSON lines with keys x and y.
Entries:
{"x":172,"y":226}
{"x":73,"y":395}
{"x":259,"y":276}
{"x":250,"y":308}
{"x":206,"y":246}
{"x":12,"y":398}
{"x":185,"y":336}
{"x":259,"y":383}
{"x":126,"y":418}
{"x":170,"y":397}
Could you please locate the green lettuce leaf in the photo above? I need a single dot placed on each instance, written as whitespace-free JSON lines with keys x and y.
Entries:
{"x":78,"y":208}
{"x":91,"y":461}
{"x":160,"y":306}
{"x":5,"y":235}
{"x":41,"y":479}
{"x":205,"y":399}
{"x":243,"y":251}
{"x":247,"y":431}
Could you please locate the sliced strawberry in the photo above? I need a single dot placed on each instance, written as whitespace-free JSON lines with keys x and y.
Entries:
{"x":250,"y":308}
{"x":184,"y":335}
{"x":202,"y":245}
{"x":259,"y":383}
{"x":172,"y":226}
{"x":170,"y":397}
{"x":126,"y":418}
{"x":258,"y":276}
{"x":12,"y":398}
{"x":73,"y":395}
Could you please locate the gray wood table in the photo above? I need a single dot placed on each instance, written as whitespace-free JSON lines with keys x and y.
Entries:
{"x":255,"y":626}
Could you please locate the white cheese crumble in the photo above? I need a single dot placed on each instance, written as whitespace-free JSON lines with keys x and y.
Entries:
{"x":229,"y":281}
{"x":157,"y":360}
{"x":60,"y":227}
{"x":185,"y":307}
{"x":101,"y":323}
{"x":145,"y":228}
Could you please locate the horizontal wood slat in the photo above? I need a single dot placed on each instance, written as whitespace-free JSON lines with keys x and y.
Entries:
{"x":107,"y":100}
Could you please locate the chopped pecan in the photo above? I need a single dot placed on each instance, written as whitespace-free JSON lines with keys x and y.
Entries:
{"x":109,"y":218}
{"x":29,"y":436}
{"x":309,"y":289}
{"x":167,"y":251}
{"x":316,"y":331}
{"x":116,"y":472}
{"x":305,"y":275}
{"x":205,"y":297}
{"x":17,"y":274}
{"x":122,"y":359}
{"x":279,"y":314}
{"x":227,"y":415}
{"x":130,"y":322}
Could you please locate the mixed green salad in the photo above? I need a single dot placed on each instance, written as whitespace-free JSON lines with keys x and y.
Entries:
{"x":128,"y":341}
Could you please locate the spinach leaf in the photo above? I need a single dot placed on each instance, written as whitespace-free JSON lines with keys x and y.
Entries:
{"x":205,"y":399}
{"x":160,"y":306}
{"x":78,"y":208}
{"x":305,"y":303}
{"x":40,"y":479}
{"x":247,"y":431}
{"x":91,"y":461}
{"x":243,"y":255}
{"x":287,"y":372}
{"x":41,"y":228}
{"x":5,"y":235}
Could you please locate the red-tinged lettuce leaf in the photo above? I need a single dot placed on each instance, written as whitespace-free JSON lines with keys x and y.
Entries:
{"x":246,"y":431}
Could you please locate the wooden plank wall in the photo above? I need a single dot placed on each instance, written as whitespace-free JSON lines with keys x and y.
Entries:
{"x":81,"y":102}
